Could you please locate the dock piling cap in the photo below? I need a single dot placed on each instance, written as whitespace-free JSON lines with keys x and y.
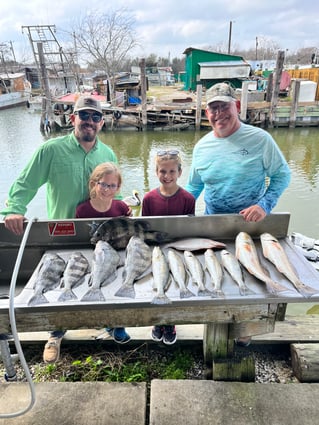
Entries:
{"x":221,"y":92}
{"x":87,"y":102}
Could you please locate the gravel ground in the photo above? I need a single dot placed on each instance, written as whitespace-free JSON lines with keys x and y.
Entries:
{"x":271,"y":366}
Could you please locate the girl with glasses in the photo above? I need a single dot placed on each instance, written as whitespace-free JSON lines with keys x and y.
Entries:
{"x":104,"y":183}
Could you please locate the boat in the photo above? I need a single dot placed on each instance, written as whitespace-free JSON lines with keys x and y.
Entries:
{"x":15,"y":90}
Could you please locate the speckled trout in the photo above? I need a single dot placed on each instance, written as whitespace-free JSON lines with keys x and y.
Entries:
{"x":196,"y":271}
{"x":161,"y":276}
{"x":178,"y":272}
{"x":233,"y":267}
{"x":215,"y":271}
{"x":274,"y":252}
{"x":246,"y":253}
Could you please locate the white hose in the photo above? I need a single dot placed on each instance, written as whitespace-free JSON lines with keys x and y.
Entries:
{"x":14,"y":327}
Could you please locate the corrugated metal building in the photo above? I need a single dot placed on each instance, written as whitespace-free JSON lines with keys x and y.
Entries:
{"x":207,"y":68}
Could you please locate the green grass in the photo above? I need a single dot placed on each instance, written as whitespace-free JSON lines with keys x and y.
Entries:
{"x":137,"y":365}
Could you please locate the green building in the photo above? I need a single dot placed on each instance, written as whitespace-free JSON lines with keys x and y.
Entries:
{"x":208,"y":68}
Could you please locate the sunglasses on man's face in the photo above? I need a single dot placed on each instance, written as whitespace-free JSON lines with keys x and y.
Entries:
{"x":85,"y":116}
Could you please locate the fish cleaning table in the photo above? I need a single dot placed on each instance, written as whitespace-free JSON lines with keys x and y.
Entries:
{"x":224,"y":318}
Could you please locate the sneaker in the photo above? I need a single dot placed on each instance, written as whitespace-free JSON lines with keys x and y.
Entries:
{"x":157,"y":333}
{"x":51,"y":352}
{"x":169,"y":335}
{"x":119,"y":335}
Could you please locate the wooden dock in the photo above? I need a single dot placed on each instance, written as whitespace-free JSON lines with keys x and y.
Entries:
{"x":294,"y":329}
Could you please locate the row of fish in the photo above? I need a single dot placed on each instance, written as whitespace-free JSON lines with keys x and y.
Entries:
{"x":141,"y":260}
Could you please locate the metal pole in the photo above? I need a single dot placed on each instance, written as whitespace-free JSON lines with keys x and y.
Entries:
{"x":229,"y":37}
{"x":7,"y":359}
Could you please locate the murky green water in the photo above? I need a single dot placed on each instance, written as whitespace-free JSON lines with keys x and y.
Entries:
{"x":20,"y":135}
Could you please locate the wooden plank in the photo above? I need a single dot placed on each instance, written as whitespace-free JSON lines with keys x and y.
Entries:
{"x":95,"y":316}
{"x":305,"y":362}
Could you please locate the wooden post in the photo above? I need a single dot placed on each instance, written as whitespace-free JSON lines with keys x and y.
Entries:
{"x":143,"y":94}
{"x":199,"y":93}
{"x":295,"y":90}
{"x":47,"y":122}
{"x":276,"y":86}
{"x":244,"y":101}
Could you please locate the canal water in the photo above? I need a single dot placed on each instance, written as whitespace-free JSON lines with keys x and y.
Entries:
{"x":20,"y":136}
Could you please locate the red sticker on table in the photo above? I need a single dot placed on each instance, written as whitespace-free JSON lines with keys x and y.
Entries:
{"x":61,"y":228}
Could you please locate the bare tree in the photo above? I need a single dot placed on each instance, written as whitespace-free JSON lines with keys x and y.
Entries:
{"x":105,"y":40}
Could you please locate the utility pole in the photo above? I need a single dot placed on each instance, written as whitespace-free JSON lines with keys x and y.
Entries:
{"x":229,"y":36}
{"x":256,"y":48}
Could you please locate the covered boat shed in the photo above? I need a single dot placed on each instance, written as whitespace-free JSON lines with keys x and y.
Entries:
{"x":208,"y":68}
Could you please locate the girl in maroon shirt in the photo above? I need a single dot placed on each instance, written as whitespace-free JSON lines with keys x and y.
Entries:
{"x":167,"y":199}
{"x":105,"y":182}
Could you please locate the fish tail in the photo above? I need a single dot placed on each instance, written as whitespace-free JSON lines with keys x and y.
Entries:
{"x":218,"y":293}
{"x":161,"y":299}
{"x":126,"y":291}
{"x":274,"y":287}
{"x":38,"y":299}
{"x":67,"y":295}
{"x":186,"y":293}
{"x":305,"y":290}
{"x":244,"y":290}
{"x":204,"y":293}
{"x":93,"y":294}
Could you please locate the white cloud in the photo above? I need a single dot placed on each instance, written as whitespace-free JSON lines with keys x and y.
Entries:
{"x":170,"y":27}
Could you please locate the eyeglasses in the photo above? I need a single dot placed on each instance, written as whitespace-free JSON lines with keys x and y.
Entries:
{"x":222,"y":107}
{"x":106,"y":186}
{"x":85,"y":116}
{"x":173,"y":152}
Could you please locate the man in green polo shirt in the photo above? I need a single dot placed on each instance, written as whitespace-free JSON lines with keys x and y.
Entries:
{"x":64,"y":164}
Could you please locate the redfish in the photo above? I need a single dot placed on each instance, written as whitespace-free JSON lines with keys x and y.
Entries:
{"x":246,"y":253}
{"x":274,"y":252}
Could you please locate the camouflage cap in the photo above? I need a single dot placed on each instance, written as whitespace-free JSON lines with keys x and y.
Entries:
{"x":87,"y":102}
{"x":221,"y":92}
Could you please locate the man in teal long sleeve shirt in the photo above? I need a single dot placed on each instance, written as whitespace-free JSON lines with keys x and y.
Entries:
{"x":64,"y":164}
{"x":239,"y":167}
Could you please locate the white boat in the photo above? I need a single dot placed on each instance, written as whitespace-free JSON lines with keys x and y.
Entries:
{"x":15,"y":90}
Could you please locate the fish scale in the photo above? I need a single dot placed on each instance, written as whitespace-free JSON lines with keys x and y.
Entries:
{"x":48,"y":277}
{"x":105,"y":263}
{"x":138,"y":259}
{"x":76,"y":269}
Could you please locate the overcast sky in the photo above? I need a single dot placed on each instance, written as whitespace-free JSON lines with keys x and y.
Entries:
{"x":167,"y":28}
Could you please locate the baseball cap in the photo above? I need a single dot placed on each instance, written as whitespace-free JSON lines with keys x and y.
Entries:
{"x":221,"y":92}
{"x":87,"y":102}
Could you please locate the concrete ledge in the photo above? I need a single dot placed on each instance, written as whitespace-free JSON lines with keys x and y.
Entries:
{"x":224,"y":403}
{"x":80,"y":403}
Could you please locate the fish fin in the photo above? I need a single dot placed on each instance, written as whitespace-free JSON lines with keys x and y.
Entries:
{"x":204,"y":293}
{"x":186,"y":293}
{"x":67,"y":295}
{"x":93,"y":294}
{"x":161,"y":300}
{"x":37,"y":299}
{"x":126,"y":291}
